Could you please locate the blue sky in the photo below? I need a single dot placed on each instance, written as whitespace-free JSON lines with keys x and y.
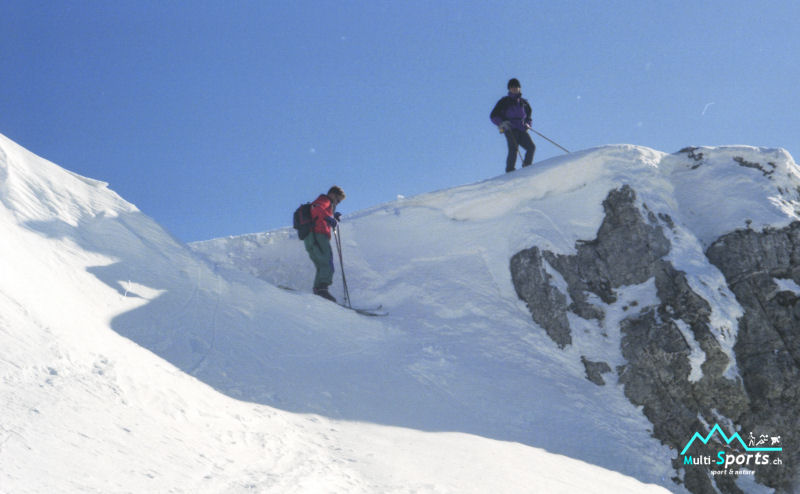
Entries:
{"x":219,"y":118}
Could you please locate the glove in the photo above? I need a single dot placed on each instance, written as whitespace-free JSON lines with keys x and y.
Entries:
{"x":506,"y":125}
{"x":337,"y":216}
{"x":528,"y":125}
{"x":331,"y":221}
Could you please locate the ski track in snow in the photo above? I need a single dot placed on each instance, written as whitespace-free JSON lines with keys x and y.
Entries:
{"x":144,"y":367}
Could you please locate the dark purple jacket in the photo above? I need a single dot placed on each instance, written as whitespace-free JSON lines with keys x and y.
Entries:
{"x":513,"y":108}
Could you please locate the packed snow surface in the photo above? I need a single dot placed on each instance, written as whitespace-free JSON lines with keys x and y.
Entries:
{"x":133,"y":363}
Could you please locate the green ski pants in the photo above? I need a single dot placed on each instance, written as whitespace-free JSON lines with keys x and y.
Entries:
{"x":319,"y":250}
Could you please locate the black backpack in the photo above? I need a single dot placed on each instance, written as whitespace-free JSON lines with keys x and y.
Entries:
{"x":301,"y":220}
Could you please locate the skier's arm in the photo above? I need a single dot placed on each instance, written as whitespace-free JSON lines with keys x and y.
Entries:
{"x":528,"y":113}
{"x":497,"y":113}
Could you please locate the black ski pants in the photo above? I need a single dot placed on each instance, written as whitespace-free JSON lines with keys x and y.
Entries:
{"x":516,"y":138}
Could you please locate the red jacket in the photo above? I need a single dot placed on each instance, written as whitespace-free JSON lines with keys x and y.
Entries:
{"x":322,"y":208}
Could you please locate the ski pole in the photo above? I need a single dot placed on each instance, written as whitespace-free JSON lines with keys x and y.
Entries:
{"x":550,"y":140}
{"x":341,"y":264}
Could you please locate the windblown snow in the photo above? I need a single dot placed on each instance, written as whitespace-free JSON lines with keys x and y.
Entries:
{"x":133,"y":363}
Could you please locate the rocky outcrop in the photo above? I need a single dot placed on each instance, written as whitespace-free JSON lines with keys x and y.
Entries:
{"x":763,"y":270}
{"x":680,"y":392}
{"x":625,"y":252}
{"x":595,"y":370}
{"x":547,"y":304}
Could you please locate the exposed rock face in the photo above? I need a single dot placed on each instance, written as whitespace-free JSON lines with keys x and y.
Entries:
{"x":768,"y":344}
{"x":625,"y":252}
{"x":546,"y":303}
{"x":660,"y":342}
{"x":595,"y":370}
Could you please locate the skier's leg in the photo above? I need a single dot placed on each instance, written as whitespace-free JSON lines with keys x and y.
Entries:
{"x":511,"y":159}
{"x":319,"y":250}
{"x":530,"y":148}
{"x":326,"y":274}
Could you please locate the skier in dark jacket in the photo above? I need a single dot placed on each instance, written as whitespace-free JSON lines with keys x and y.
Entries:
{"x":512,"y":114}
{"x":318,"y":242}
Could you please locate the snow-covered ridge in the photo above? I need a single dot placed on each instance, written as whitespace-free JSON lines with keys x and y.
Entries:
{"x":103,"y":315}
{"x":554,"y":204}
{"x":691,"y":185}
{"x":35,"y":189}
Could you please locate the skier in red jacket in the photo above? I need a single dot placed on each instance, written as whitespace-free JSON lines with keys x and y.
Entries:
{"x":318,"y":242}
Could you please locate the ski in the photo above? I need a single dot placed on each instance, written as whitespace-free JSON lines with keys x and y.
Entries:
{"x":371,"y":312}
{"x":376,"y":311}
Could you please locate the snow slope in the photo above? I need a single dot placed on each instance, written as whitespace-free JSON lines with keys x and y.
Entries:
{"x":116,"y":340}
{"x":461,"y":352}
